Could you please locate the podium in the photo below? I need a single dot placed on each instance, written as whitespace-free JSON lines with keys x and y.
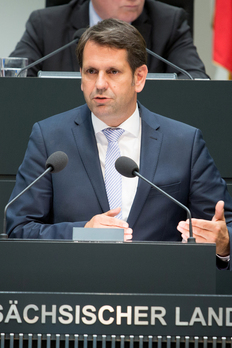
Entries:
{"x":145,"y":267}
{"x":110,"y":294}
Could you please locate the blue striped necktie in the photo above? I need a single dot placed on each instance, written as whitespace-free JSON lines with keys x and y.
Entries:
{"x":113,"y":180}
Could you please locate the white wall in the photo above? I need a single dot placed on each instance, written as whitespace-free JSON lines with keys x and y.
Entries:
{"x":203,"y":34}
{"x":14,"y":14}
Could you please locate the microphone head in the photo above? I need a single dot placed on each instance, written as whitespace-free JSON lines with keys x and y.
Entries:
{"x":78,"y":33}
{"x":126,"y":166}
{"x":57,"y":161}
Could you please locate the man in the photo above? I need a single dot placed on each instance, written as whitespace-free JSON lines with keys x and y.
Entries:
{"x":112,"y":57}
{"x":163,"y":27}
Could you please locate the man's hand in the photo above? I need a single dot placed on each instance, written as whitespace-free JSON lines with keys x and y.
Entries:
{"x":108,"y":220}
{"x":214,"y":231}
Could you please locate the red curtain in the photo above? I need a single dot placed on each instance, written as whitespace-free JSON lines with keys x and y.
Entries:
{"x":222,"y":40}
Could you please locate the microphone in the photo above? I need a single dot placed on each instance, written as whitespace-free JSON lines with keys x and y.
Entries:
{"x":76,"y":38}
{"x":127,"y":167}
{"x":56,"y":162}
{"x":170,"y":64}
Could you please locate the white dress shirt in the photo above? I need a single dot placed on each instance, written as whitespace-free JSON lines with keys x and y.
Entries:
{"x":129,"y":145}
{"x":93,"y":16}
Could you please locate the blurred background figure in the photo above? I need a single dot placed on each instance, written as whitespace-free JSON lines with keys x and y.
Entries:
{"x":165,"y":29}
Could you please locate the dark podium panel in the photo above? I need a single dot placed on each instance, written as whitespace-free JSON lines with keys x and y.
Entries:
{"x":145,"y":295}
{"x":55,"y":266}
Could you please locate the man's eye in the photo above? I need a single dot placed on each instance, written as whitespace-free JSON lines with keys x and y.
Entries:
{"x":114,"y":72}
{"x":90,"y":71}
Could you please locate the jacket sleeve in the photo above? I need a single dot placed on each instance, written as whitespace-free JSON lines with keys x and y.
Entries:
{"x":171,"y":38}
{"x":207,"y":188}
{"x":181,"y":50}
{"x":31,"y":216}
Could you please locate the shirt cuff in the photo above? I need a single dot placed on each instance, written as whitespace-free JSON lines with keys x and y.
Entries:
{"x":224,"y":258}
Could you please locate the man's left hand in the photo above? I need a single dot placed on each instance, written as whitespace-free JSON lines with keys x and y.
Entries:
{"x":214,"y":231}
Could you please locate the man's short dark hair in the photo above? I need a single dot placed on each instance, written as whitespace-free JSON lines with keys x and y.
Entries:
{"x":115,"y":33}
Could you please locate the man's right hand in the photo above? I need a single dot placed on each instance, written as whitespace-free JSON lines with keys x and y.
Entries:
{"x":108,"y":220}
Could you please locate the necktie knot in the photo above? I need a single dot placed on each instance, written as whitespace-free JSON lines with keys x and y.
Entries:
{"x":112,"y":134}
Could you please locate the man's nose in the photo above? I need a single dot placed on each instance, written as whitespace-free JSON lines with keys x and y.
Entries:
{"x":101,"y":82}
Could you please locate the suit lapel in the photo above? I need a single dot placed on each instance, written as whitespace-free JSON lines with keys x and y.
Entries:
{"x":87,"y":148}
{"x":150,"y":148}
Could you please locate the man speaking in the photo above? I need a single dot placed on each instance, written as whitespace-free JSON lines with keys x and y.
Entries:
{"x":89,"y":192}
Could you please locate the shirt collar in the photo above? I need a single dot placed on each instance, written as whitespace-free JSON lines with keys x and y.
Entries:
{"x":131,"y":125}
{"x":93,"y":16}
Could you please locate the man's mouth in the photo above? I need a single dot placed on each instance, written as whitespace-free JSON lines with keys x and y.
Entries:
{"x":101,"y":99}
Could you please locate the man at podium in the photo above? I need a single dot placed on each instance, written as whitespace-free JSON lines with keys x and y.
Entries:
{"x":89,"y":192}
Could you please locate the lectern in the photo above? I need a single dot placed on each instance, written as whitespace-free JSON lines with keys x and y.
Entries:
{"x":96,"y":293}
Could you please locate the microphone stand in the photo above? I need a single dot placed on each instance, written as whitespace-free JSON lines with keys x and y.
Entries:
{"x":47,"y":56}
{"x":169,"y":63}
{"x":191,"y":239}
{"x":4,"y":234}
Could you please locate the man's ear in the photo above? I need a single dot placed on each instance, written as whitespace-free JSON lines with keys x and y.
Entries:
{"x":140,"y":77}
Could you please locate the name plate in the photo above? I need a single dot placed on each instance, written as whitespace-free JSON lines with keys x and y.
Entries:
{"x":98,"y":234}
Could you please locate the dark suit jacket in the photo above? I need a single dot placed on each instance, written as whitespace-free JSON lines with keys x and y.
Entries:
{"x":164,"y":28}
{"x":173,"y":156}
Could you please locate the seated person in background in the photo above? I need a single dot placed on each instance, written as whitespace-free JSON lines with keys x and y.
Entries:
{"x":112,"y":56}
{"x":164,"y":28}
